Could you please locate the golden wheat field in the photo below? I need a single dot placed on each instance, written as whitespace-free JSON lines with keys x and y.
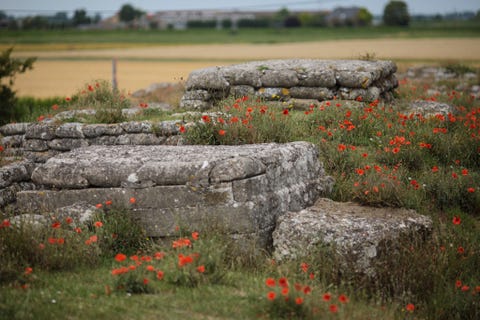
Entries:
{"x":63,"y":72}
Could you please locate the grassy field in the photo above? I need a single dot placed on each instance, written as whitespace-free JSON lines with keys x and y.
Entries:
{"x":72,"y":38}
{"x":62,"y":72}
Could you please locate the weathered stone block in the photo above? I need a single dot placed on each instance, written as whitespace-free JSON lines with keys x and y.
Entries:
{"x":12,"y":129}
{"x":139,"y":139}
{"x":70,"y":130}
{"x":209,"y":78}
{"x":358,"y":233}
{"x":317,"y":93}
{"x":245,"y":188}
{"x":66,"y":144}
{"x":137,"y":127}
{"x":14,"y":172}
{"x":242,"y":91}
{"x":98,"y":130}
{"x":36,"y":145}
{"x":167,"y":128}
{"x":40,"y":131}
{"x":13,"y":141}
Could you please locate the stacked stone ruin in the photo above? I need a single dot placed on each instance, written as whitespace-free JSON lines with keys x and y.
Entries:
{"x":265,"y":194}
{"x":292,"y":80}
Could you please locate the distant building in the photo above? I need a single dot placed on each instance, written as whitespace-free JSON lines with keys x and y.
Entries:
{"x":179,"y":19}
{"x":344,"y":17}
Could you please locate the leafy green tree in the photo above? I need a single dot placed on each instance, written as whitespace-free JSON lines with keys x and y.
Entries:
{"x":396,"y":14}
{"x":80,"y":17}
{"x":9,"y":67}
{"x":364,"y":17}
{"x":128,"y":13}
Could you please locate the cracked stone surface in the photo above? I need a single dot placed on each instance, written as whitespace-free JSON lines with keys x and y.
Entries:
{"x":359,"y":233}
{"x":244,"y":188}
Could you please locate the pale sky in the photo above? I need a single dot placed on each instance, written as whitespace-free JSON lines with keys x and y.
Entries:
{"x":109,"y":7}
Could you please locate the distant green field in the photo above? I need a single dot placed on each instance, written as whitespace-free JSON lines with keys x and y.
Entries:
{"x":267,"y":35}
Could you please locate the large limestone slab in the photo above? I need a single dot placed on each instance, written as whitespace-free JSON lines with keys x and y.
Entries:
{"x":360,"y":234}
{"x":242,"y":188}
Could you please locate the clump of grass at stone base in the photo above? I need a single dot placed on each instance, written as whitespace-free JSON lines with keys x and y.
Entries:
{"x":107,"y":101}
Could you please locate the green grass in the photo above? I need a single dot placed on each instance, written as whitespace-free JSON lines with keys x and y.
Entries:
{"x":81,"y":294}
{"x":267,"y":35}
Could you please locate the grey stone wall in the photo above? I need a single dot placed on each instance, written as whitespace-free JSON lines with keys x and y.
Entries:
{"x":35,"y":143}
{"x":287,"y":80}
{"x":40,"y":141}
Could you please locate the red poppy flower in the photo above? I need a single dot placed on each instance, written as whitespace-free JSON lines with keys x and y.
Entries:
{"x":456,"y":220}
{"x":182,"y":129}
{"x":28,"y":270}
{"x":326,"y":297}
{"x":132,"y":200}
{"x":98,"y":224}
{"x":458,"y":284}
{"x":159,"y":255}
{"x":150,"y":268}
{"x":471,"y":190}
{"x":221,"y":132}
{"x":410,"y":307}
{"x":343,"y":298}
{"x":283,"y":282}
{"x":98,"y":205}
{"x":201,"y":269}
{"x":56,"y":225}
{"x":299,"y":300}
{"x":120,"y":257}
{"x":333,"y":308}
{"x":270,"y":282}
{"x":285,"y":112}
{"x":304,"y":266}
{"x":108,"y":202}
{"x":160,"y":275}
{"x":271,"y":296}
{"x":183,"y":260}
{"x":360,"y":171}
{"x":341,"y":147}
